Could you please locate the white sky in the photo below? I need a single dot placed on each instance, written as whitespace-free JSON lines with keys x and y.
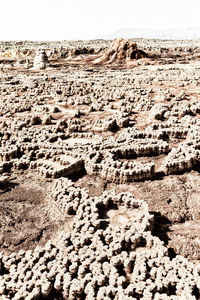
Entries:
{"x":82,"y":19}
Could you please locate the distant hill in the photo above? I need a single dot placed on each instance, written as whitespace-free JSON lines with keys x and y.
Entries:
{"x":172,"y":33}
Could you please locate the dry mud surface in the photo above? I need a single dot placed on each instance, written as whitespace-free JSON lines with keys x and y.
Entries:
{"x":100,"y":170}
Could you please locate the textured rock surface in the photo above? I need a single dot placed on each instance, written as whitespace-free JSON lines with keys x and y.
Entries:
{"x":99,"y":170}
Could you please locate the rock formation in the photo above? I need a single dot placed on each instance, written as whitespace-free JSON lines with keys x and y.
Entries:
{"x":120,"y":51}
{"x":40,"y":60}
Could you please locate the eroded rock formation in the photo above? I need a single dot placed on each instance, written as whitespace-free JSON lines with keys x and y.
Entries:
{"x":121,"y":51}
{"x":40,"y":60}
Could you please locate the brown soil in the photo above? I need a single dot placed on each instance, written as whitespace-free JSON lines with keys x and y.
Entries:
{"x":24,"y":217}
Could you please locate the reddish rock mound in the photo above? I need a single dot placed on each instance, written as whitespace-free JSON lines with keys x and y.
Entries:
{"x":121,"y":51}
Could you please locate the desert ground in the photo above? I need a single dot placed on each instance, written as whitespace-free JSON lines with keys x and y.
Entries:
{"x":100,"y":170}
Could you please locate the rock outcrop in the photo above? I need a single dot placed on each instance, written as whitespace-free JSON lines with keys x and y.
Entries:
{"x":120,"y":51}
{"x":40,"y":60}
